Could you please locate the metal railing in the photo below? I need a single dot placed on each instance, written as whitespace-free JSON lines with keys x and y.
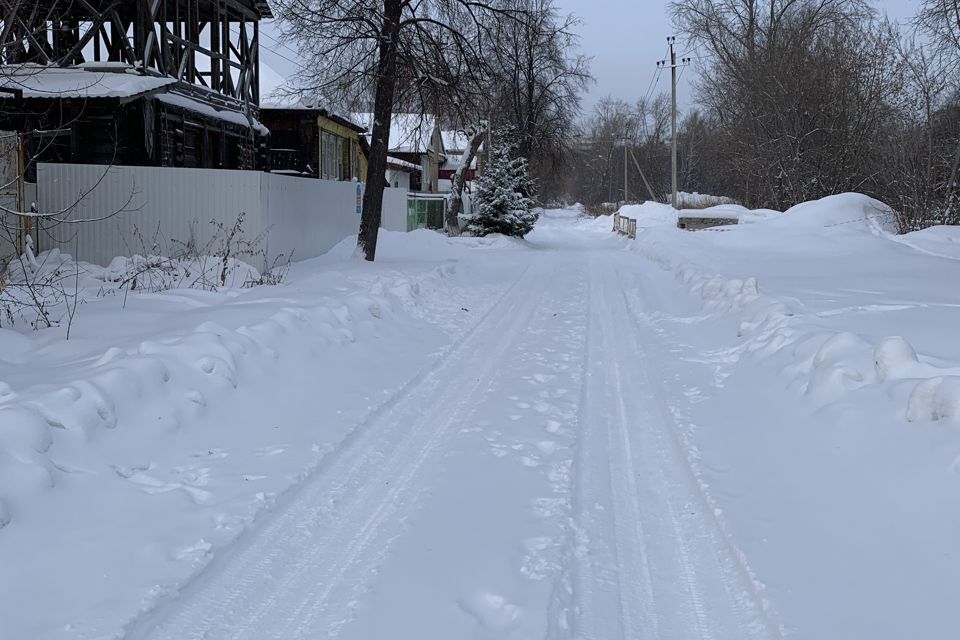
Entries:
{"x":625,"y":226}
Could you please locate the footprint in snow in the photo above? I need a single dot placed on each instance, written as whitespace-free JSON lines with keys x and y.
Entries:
{"x":498,"y":450}
{"x":198,"y":550}
{"x":270,"y":451}
{"x":547,"y":446}
{"x":215,"y":454}
{"x":492,"y":611}
{"x":193,"y":479}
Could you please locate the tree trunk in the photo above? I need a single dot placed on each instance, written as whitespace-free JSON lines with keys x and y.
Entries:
{"x":380,"y":137}
{"x":451,"y":221}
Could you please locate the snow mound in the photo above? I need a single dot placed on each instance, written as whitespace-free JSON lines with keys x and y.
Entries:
{"x":825,"y":365}
{"x":895,"y":358}
{"x":650,"y":214}
{"x":942,"y":241}
{"x":847,"y":210}
{"x":696,"y":200}
{"x":936,"y":399}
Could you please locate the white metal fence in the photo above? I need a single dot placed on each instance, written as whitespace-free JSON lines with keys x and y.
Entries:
{"x":128,"y":210}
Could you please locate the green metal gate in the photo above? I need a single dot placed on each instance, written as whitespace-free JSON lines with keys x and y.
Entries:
{"x":425,"y":211}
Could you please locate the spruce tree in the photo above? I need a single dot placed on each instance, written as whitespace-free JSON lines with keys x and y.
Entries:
{"x":505,"y":193}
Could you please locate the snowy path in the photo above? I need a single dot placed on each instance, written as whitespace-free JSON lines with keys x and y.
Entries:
{"x":528,"y":485}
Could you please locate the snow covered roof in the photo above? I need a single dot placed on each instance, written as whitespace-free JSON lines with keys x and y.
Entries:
{"x":309,"y":107}
{"x":409,"y":132}
{"x":454,"y":160}
{"x":297,"y":105}
{"x":412,"y":133}
{"x":397,"y":163}
{"x":454,"y":141}
{"x":106,"y":80}
{"x":99,"y":80}
{"x":233,"y":117}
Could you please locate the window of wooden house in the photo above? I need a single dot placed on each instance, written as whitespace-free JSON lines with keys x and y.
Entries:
{"x":345,"y":169}
{"x":192,"y":140}
{"x":335,"y":157}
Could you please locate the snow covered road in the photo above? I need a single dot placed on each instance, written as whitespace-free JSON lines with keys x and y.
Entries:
{"x":487,"y":439}
{"x":527,"y":485}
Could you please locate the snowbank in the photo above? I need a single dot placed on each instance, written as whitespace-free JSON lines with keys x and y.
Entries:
{"x":850,"y":210}
{"x":696,"y":200}
{"x":939,"y":241}
{"x":825,"y":362}
{"x":650,"y":214}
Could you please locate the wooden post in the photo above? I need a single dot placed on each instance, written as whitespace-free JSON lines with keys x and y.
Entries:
{"x":26,"y":222}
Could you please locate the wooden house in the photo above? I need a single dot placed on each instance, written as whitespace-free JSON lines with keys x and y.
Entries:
{"x":312,"y":142}
{"x":171,"y":83}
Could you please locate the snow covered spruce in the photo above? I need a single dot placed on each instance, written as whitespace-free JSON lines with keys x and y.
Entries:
{"x":506,"y":194}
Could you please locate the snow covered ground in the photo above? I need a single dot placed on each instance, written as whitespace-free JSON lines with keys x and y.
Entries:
{"x":746,"y":432}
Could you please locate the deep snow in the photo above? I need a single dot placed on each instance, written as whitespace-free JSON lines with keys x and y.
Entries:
{"x":746,"y":432}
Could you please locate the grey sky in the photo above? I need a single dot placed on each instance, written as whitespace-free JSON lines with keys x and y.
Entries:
{"x":625,"y":38}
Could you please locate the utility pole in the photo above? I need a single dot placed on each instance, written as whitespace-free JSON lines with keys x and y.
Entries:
{"x":671,"y":40}
{"x":625,"y":197}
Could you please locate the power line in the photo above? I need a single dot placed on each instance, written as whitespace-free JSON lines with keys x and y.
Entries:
{"x":694,"y":50}
{"x":279,"y":43}
{"x":277,"y":53}
{"x":654,"y":81}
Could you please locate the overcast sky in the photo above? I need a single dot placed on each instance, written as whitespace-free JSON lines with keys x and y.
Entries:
{"x":625,"y":38}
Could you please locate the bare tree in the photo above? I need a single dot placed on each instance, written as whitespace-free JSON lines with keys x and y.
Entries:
{"x":538,"y":75}
{"x":801,"y":89}
{"x":940,"y":20}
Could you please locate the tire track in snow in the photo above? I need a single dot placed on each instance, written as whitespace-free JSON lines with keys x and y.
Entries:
{"x":672,"y":576}
{"x":741,"y":584}
{"x":613,"y":587}
{"x":299,"y":573}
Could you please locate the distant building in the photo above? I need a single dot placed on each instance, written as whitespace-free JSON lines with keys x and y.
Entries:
{"x":419,"y":141}
{"x":399,"y":173}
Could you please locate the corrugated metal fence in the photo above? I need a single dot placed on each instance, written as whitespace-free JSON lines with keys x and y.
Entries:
{"x":128,"y":210}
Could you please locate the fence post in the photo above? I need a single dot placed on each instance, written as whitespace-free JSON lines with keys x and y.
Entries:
{"x":616,"y":222}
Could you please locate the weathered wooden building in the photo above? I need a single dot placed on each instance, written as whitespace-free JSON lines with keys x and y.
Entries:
{"x":170,"y":83}
{"x":313,"y":142}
